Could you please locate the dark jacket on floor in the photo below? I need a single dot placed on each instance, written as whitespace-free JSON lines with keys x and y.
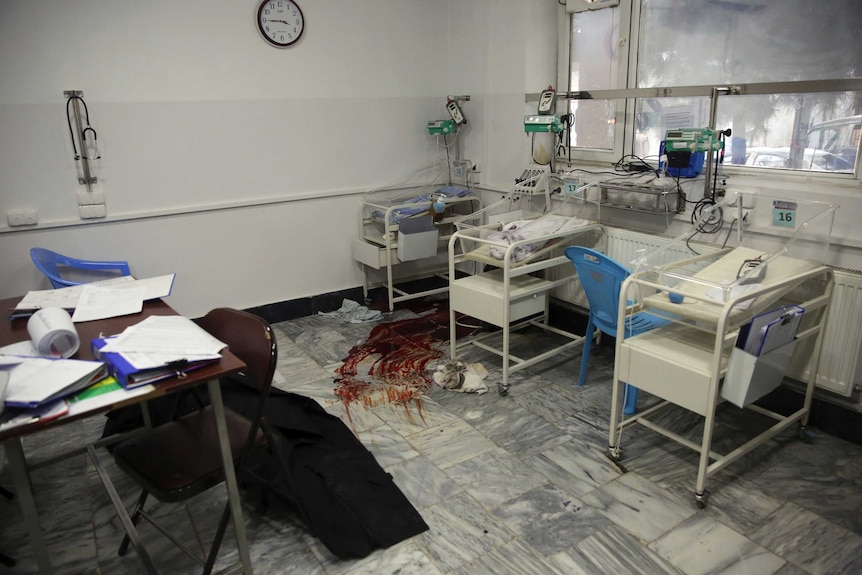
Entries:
{"x":336,"y":487}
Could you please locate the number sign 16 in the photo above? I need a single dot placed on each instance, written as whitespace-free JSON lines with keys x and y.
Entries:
{"x":784,"y":214}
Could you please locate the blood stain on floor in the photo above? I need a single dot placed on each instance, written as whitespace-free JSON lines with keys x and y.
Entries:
{"x":390,"y":366}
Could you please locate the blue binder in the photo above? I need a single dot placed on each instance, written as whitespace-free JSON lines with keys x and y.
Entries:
{"x":131,"y":376}
{"x":770,"y":330}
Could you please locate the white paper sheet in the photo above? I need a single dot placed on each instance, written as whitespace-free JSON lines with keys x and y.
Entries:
{"x":105,"y":399}
{"x":68,"y":297}
{"x":36,"y":379}
{"x":172,"y":335}
{"x":98,"y":302}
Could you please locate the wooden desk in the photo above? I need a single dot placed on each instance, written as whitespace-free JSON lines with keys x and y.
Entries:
{"x":15,"y":330}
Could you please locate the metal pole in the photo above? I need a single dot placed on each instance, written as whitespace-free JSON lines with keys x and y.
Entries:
{"x":713,"y":107}
{"x":87,"y":180}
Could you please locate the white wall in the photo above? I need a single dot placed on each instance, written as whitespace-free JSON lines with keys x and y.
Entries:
{"x":237,"y":165}
{"x":195,"y":113}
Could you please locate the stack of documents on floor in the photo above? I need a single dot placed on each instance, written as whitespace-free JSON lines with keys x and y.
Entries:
{"x":157,"y":348}
{"x":98,"y":300}
{"x":759,"y":359}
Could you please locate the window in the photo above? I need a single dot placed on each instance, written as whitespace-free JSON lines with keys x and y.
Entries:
{"x":686,"y":44}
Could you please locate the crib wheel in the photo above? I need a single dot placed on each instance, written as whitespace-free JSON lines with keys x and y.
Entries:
{"x":804,"y":434}
{"x":701,"y":499}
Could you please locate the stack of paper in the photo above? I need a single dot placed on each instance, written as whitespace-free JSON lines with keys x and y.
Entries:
{"x":157,"y":348}
{"x":36,"y":381}
{"x":98,"y":300}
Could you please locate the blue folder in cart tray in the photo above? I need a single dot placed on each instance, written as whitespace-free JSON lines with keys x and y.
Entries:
{"x":130,"y":375}
{"x":770,"y":330}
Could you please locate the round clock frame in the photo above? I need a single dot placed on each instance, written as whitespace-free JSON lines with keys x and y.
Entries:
{"x":280,"y":22}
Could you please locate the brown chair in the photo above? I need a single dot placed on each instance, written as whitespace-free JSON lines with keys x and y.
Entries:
{"x":5,"y":559}
{"x":180,"y":459}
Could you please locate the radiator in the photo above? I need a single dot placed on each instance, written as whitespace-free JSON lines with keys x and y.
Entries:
{"x":839,"y":368}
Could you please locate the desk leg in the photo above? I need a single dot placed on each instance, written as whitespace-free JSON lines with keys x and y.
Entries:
{"x":123,"y":515}
{"x":230,"y":477}
{"x":24,"y":489}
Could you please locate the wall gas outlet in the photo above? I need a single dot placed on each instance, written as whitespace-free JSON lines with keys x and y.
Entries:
{"x":22,"y":218}
{"x":476,"y":174}
{"x":90,"y":212}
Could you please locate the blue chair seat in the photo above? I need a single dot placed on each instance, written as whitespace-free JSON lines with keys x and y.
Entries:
{"x":51,"y":263}
{"x":602,"y":278}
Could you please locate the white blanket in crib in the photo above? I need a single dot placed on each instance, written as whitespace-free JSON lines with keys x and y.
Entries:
{"x":519,"y":230}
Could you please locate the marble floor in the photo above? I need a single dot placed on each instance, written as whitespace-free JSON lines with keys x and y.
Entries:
{"x":508,"y":485}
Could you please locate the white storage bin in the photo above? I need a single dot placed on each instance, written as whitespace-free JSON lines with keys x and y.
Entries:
{"x":417,"y":238}
{"x":750,"y":377}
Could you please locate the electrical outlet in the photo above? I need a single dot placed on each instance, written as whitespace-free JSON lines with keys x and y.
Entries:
{"x":731,"y":214}
{"x":17,"y":218}
{"x":461,"y":167}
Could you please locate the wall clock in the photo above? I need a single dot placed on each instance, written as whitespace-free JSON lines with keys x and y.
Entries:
{"x":280,"y":22}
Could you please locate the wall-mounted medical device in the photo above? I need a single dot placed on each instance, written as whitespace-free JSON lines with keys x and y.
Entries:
{"x":680,"y":144}
{"x":546,"y":101}
{"x":455,"y":111}
{"x":679,"y":167}
{"x":441,"y":127}
{"x":540,"y":123}
{"x":584,"y":5}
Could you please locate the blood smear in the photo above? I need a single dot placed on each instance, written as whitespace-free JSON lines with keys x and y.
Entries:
{"x":390,"y":366}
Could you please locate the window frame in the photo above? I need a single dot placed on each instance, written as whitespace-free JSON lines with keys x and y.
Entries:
{"x":624,"y":131}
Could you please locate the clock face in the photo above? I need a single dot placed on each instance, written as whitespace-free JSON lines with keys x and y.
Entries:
{"x":280,"y":22}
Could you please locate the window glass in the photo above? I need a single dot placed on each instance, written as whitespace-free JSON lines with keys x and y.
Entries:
{"x":722,"y":42}
{"x":694,"y":42}
{"x":595,"y":41}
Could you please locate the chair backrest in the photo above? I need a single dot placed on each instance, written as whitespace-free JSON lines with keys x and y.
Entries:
{"x":248,"y":337}
{"x":602,"y":278}
{"x":50,"y":264}
{"x":46,"y":262}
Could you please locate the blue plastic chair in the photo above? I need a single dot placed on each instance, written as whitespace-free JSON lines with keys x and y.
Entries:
{"x":602,"y":277}
{"x":50,"y":264}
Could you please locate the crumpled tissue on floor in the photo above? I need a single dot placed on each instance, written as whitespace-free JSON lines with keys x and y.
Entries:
{"x":459,"y":376}
{"x":351,"y":312}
